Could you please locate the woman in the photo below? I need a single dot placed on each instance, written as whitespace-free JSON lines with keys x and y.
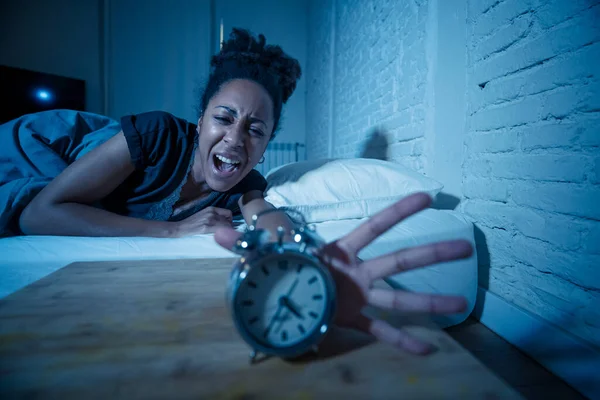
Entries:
{"x":164,"y":177}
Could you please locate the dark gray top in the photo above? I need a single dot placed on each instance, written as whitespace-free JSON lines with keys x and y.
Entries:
{"x":162,"y":148}
{"x":35,"y":148}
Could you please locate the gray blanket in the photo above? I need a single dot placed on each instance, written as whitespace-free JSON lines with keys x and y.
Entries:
{"x":35,"y":148}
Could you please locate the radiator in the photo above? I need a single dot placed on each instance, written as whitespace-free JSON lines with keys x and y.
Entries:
{"x":280,"y":153}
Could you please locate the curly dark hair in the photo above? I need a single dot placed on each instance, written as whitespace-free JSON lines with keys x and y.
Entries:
{"x":245,"y":57}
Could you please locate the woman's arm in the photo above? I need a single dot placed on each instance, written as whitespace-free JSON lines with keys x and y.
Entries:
{"x":253,"y":202}
{"x":64,"y":207}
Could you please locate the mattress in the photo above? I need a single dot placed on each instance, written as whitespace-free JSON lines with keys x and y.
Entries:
{"x":25,"y":259}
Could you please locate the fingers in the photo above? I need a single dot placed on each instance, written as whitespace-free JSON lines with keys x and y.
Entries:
{"x":394,"y":336}
{"x":416,"y":257}
{"x":216,"y":217}
{"x":226,"y":237}
{"x":417,"y":302}
{"x":223,"y":212}
{"x":383,"y":221}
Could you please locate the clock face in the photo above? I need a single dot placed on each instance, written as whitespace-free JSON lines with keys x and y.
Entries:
{"x":282,"y":301}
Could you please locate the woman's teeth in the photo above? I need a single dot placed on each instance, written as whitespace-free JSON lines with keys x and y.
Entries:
{"x":227,"y":160}
{"x":225,"y":164}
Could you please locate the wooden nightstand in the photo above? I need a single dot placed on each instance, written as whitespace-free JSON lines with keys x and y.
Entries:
{"x":161,"y":329}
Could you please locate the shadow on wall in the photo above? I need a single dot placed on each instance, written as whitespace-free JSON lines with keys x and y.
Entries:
{"x":445,"y":201}
{"x":376,"y":146}
{"x":483,"y":257}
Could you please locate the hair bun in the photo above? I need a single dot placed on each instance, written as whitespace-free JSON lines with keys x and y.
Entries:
{"x":246,"y":49}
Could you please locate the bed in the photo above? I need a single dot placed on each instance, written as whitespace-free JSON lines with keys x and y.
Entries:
{"x":335,"y":195}
{"x":26,"y":259}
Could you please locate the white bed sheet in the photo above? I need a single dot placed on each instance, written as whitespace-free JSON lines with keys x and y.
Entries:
{"x":26,"y":259}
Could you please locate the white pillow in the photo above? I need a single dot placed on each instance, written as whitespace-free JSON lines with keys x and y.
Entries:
{"x":334,"y":189}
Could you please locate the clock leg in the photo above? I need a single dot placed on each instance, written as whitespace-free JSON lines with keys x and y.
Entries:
{"x":255,"y":359}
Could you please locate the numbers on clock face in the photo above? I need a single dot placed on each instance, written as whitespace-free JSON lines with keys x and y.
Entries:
{"x":282,"y":301}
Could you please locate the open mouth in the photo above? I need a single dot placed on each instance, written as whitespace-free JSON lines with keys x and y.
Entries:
{"x":224,"y":166}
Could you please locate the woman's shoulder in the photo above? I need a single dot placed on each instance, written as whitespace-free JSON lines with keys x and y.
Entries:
{"x":154,"y":121}
{"x":151,"y":135}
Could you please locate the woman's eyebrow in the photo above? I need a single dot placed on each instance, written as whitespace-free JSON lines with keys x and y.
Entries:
{"x":235,"y":114}
{"x":229,"y":109}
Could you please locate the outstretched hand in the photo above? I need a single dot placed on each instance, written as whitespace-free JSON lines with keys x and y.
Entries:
{"x":354,"y":278}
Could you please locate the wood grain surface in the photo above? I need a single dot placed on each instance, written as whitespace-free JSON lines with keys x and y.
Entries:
{"x":161,"y":329}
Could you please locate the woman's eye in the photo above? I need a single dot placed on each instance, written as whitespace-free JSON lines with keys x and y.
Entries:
{"x":222,"y":119}
{"x":257,"y":132}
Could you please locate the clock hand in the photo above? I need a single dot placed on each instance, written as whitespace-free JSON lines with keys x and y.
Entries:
{"x":275,"y":317}
{"x":282,"y":320}
{"x":289,"y":293}
{"x":292,"y":307}
{"x":281,"y":305}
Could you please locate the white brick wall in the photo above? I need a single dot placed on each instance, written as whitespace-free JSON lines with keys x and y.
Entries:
{"x":380,"y":77}
{"x":531,"y":164}
{"x":532,"y":154}
{"x":317,"y":74}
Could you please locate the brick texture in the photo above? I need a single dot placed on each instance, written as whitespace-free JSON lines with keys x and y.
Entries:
{"x":530,"y":177}
{"x":380,"y":78}
{"x":318,"y":75}
{"x":531,"y":166}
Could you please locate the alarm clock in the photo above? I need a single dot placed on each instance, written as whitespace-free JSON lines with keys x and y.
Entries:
{"x":281,"y":297}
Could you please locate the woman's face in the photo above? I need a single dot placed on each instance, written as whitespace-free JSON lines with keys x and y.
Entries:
{"x":234,"y":133}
